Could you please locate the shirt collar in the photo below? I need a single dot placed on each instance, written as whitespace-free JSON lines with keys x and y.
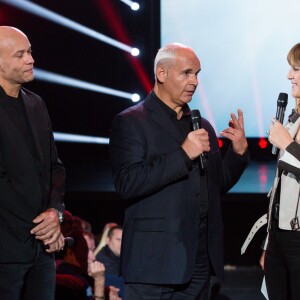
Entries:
{"x":172,"y":113}
{"x":293,"y":116}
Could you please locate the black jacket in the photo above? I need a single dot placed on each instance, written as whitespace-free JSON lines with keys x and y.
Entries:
{"x":110,"y":260}
{"x":27,"y":188}
{"x":163,"y":195}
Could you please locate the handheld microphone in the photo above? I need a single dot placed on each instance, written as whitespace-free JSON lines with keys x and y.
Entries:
{"x":69,"y":242}
{"x":281,"y":106}
{"x":196,"y":121}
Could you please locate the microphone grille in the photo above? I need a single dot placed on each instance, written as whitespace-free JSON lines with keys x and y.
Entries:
{"x":195,"y":114}
{"x":282,"y":100}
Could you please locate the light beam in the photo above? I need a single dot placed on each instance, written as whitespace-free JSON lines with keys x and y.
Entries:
{"x":56,"y":18}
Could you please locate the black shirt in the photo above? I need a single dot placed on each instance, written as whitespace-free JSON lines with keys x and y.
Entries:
{"x":16,"y":108}
{"x":184,"y":125}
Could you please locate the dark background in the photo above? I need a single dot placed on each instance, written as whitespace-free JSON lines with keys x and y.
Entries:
{"x":89,"y":191}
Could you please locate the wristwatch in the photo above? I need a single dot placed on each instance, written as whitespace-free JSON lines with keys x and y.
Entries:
{"x":60,"y":215}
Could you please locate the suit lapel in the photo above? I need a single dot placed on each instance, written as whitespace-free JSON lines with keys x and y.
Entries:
{"x":159,"y":116}
{"x":33,"y":124}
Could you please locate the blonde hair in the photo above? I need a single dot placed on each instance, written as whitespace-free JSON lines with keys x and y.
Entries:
{"x":104,"y":235}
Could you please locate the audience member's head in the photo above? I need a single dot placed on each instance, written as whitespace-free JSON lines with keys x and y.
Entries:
{"x":86,"y":225}
{"x":101,"y":241}
{"x":114,"y":239}
{"x":90,"y":240}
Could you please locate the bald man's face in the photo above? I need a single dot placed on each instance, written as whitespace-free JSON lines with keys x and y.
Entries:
{"x":16,"y":62}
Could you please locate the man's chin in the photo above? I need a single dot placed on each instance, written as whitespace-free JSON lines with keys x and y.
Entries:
{"x":188,"y":99}
{"x":28,"y":79}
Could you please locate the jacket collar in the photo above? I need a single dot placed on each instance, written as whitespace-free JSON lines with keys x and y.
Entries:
{"x":161,"y":117}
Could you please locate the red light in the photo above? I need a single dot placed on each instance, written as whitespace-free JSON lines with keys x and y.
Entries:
{"x":262,"y":143}
{"x":220,"y":142}
{"x":109,"y":13}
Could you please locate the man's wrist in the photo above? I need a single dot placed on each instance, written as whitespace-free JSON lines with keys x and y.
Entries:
{"x":99,"y":297}
{"x":60,"y":214}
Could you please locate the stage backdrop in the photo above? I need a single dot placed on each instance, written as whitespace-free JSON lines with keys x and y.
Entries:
{"x":242,"y":46}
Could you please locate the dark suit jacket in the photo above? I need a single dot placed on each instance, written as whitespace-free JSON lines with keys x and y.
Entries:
{"x":29,"y":184}
{"x":163,"y":195}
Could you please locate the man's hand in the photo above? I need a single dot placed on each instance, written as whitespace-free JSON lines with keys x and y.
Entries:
{"x":96,"y":270}
{"x":48,"y":230}
{"x":114,"y":293}
{"x":236,"y":133}
{"x":196,"y":143}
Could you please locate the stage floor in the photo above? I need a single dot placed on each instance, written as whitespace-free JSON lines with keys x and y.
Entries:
{"x":241,"y":283}
{"x":257,"y":178}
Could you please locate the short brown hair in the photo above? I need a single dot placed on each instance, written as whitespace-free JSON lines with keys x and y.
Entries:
{"x":293,"y":56}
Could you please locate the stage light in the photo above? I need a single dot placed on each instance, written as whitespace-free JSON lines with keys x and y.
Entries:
{"x":133,"y":5}
{"x":77,"y":138}
{"x":220,"y":143}
{"x":135,"y":98}
{"x":109,"y":12}
{"x":262,"y":143}
{"x":56,"y":18}
{"x":68,"y":81}
{"x":135,"y":52}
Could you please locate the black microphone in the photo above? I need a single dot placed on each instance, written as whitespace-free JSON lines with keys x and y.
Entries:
{"x":69,"y":242}
{"x":196,"y":121}
{"x":281,"y":106}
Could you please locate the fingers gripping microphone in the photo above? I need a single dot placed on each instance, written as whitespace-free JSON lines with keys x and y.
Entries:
{"x":69,"y":243}
{"x":281,"y":106}
{"x":196,"y":121}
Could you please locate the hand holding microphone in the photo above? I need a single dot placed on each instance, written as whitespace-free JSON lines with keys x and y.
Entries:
{"x":196,"y":121}
{"x":197,"y":141}
{"x":278,"y":135}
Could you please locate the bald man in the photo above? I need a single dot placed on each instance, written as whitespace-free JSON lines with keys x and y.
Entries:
{"x":31,"y":179}
{"x":172,"y":234}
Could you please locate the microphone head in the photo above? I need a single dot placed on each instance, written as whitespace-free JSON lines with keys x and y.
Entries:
{"x":69,"y":242}
{"x":195,"y":115}
{"x":282,"y":100}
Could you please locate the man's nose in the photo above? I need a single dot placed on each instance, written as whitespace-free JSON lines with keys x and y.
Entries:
{"x":29,"y":59}
{"x":194,"y":79}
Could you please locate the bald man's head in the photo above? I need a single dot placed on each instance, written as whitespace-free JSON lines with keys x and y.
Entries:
{"x":16,"y":62}
{"x":8,"y":35}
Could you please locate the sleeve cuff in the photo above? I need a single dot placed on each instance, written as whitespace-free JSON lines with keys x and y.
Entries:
{"x":187,"y":160}
{"x":293,"y":148}
{"x":244,"y":157}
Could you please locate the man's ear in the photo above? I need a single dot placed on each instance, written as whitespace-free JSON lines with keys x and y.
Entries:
{"x":161,"y":73}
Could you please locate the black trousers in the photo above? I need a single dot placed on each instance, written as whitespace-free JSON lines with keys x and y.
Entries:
{"x":29,"y":281}
{"x":196,"y":289}
{"x":282,"y":265}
